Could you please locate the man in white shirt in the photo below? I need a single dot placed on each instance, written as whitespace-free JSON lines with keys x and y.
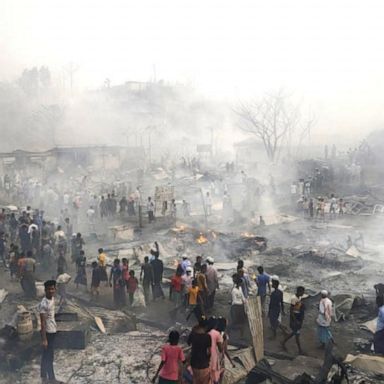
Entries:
{"x":48,"y":332}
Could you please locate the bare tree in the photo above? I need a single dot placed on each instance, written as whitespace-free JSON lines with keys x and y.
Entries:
{"x":273,"y":119}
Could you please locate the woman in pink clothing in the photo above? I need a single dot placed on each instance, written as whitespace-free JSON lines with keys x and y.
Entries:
{"x":221,"y":326}
{"x":216,"y":350}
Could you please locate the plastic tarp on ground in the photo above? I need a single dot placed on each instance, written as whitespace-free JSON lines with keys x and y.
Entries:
{"x":369,"y":363}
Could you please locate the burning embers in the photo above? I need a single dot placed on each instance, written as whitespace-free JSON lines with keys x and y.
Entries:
{"x":201,"y":239}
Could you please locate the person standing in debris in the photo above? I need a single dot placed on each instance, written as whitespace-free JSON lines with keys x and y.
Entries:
{"x":185,"y":263}
{"x":311,"y":208}
{"x":146,"y":276}
{"x":187,"y":283}
{"x":202,"y":284}
{"x":185,"y":209}
{"x":102,"y":260}
{"x":91,"y":214}
{"x":176,"y":289}
{"x":48,"y":332}
{"x":195,"y":302}
{"x":200,"y":342}
{"x":262,"y":281}
{"x":103,"y":208}
{"x":324,"y":319}
{"x":125,"y":270}
{"x":27,"y":274}
{"x":276,"y":306}
{"x":109,"y":205}
{"x":245,"y":283}
{"x":216,"y":350}
{"x":173,"y":209}
{"x":212,"y":282}
{"x":95,"y":279}
{"x":61,"y":262}
{"x":78,"y":245}
{"x":25,"y":240}
{"x":13,"y":260}
{"x":244,"y":276}
{"x":131,"y":206}
{"x":132,"y":284}
{"x":68,"y":229}
{"x":150,"y":209}
{"x":117,"y":283}
{"x":13,"y":225}
{"x":296,"y":318}
{"x":81,"y":276}
{"x":3,"y":247}
{"x":123,"y":203}
{"x":171,"y":356}
{"x":221,"y":326}
{"x":341,"y":207}
{"x":237,"y":312}
{"x":378,"y":338}
{"x":197,"y":265}
{"x":158,"y":269}
{"x":333,"y":206}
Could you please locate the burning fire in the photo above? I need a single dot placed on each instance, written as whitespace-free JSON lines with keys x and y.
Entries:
{"x":201,"y":239}
{"x":247,"y":234}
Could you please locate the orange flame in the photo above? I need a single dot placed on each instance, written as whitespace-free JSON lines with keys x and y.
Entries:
{"x":201,"y":239}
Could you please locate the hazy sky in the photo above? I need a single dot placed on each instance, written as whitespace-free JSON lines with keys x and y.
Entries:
{"x":328,"y":52}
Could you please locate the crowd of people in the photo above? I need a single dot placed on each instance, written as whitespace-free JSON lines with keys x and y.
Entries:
{"x":321,"y":207}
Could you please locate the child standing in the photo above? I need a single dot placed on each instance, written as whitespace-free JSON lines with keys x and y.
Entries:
{"x":96,"y":279}
{"x":195,"y":302}
{"x":171,"y":356}
{"x":132,"y":284}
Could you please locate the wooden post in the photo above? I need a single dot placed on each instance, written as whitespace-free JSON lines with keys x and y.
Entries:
{"x":255,"y":321}
{"x":140,"y":216}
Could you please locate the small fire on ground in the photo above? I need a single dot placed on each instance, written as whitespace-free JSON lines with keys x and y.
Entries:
{"x":201,"y":239}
